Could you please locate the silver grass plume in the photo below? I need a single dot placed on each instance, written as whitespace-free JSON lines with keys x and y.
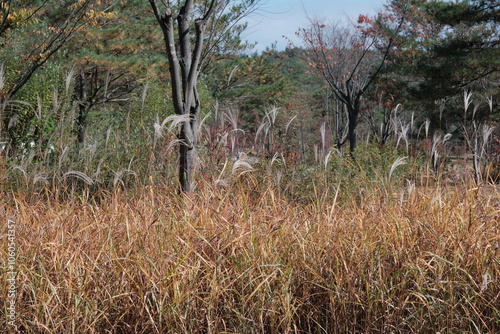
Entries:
{"x":398,"y":162}
{"x":69,"y":78}
{"x":79,"y":176}
{"x":41,"y":177}
{"x":242,"y":166}
{"x":121,"y":174}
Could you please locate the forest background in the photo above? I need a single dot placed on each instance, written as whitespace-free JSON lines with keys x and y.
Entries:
{"x":87,"y":84}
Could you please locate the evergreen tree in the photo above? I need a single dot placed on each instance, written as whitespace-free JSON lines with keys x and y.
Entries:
{"x":444,"y":47}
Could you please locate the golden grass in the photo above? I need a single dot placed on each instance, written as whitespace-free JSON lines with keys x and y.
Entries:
{"x":245,"y":259}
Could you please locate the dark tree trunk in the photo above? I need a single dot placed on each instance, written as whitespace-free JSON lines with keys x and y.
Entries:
{"x":81,"y":119}
{"x":184,"y":167}
{"x":352,"y":139}
{"x":184,"y":66}
{"x":187,"y":157}
{"x":81,"y":125}
{"x":353,"y":113}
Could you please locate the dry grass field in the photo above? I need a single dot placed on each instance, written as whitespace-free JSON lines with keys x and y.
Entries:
{"x":247,"y":259}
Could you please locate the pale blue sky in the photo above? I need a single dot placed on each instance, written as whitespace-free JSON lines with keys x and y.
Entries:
{"x":276,"y":18}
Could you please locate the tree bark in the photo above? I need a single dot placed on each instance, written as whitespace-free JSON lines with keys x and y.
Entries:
{"x":184,"y":72}
{"x":353,"y":120}
{"x":81,"y":119}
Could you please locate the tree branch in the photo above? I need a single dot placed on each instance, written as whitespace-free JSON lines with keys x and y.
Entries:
{"x":194,"y":70}
{"x":174,"y":66}
{"x":185,"y":41}
{"x":387,"y":49}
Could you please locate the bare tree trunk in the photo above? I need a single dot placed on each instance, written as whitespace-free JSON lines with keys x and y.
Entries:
{"x":187,"y":155}
{"x":353,"y":114}
{"x":81,"y":119}
{"x":352,"y":133}
{"x":186,"y":163}
{"x":184,"y":66}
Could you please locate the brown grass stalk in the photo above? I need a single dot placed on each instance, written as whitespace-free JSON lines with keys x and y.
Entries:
{"x":245,"y":259}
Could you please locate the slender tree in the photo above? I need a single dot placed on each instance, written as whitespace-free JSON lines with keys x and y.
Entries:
{"x":186,"y":49}
{"x":349,"y":59}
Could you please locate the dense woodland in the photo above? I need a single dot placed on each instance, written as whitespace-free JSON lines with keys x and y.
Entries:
{"x":166,"y":178}
{"x":86,"y":87}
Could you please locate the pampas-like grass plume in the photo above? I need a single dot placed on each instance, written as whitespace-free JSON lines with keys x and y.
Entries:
{"x":398,"y":162}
